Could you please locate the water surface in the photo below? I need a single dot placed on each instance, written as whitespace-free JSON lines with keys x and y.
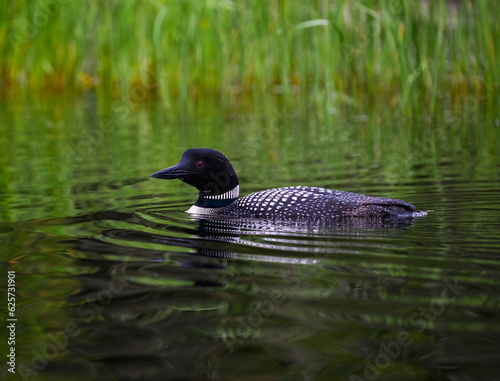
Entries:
{"x":115,"y":281}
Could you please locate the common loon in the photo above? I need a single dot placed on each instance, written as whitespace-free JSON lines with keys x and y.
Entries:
{"x":212,"y":174}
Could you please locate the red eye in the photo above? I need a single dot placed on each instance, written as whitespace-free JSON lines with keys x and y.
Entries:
{"x":200,"y":164}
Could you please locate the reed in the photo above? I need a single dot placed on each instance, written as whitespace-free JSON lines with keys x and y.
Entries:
{"x":406,"y":55}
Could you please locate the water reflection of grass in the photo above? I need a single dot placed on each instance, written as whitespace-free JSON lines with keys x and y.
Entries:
{"x":382,"y":52}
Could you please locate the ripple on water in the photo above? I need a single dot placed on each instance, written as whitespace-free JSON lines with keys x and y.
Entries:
{"x":154,"y":290}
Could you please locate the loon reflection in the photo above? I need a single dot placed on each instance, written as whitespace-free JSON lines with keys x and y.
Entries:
{"x":268,"y":237}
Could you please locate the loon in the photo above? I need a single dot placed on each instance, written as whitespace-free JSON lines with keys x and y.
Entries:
{"x":212,"y":174}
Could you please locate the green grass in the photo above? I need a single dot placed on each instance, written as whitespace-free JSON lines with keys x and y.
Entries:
{"x":403,"y":54}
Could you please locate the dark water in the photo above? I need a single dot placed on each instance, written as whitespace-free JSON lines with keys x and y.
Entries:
{"x":114,"y":280}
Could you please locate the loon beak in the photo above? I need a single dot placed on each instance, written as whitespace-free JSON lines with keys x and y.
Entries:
{"x":170,"y":173}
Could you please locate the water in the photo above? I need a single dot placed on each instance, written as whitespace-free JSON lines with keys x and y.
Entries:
{"x":114,"y":280}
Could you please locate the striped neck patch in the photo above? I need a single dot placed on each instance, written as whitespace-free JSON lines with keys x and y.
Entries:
{"x":218,"y":201}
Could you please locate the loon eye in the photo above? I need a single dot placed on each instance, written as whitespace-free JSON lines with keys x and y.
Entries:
{"x":200,"y":164}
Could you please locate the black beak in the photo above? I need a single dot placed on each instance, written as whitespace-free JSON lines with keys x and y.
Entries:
{"x":170,"y":173}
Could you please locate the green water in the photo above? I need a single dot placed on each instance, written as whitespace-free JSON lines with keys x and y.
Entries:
{"x":114,"y":281}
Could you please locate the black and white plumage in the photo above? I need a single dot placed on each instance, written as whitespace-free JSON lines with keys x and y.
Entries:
{"x":213,"y":175}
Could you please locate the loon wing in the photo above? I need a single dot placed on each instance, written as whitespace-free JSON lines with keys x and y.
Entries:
{"x":368,"y":200}
{"x":355,"y":204}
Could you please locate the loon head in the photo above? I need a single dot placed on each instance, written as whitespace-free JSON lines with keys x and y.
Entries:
{"x":210,"y":172}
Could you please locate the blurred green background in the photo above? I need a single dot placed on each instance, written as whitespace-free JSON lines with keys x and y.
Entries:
{"x":404,"y":55}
